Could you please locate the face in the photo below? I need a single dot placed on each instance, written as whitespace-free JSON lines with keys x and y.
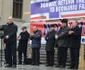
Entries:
{"x":63,"y":24}
{"x":35,"y":28}
{"x":74,"y":24}
{"x":51,"y":28}
{"x":10,"y":20}
{"x":24,"y":30}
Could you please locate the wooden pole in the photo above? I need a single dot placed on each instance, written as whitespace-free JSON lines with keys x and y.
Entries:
{"x":81,"y":58}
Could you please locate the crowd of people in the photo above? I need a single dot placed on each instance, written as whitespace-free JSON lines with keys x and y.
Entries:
{"x":63,"y":39}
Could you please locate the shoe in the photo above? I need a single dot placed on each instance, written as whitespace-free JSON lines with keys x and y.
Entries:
{"x":75,"y":67}
{"x":13,"y":66}
{"x":71,"y":67}
{"x":57,"y":65}
{"x":33,"y":64}
{"x":51,"y":65}
{"x":8,"y":66}
{"x":19,"y":63}
{"x":5,"y":63}
{"x":25,"y":64}
{"x":62,"y":66}
{"x":47,"y":65}
{"x":36,"y":64}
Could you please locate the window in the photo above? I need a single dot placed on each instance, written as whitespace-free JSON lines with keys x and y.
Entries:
{"x":17,"y":8}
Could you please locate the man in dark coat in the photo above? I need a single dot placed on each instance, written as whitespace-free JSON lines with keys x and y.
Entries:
{"x":36,"y":44}
{"x":10,"y":39}
{"x":50,"y":43}
{"x":23,"y":42}
{"x":74,"y":44}
{"x":62,"y":42}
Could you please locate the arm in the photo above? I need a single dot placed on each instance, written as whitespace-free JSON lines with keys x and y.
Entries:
{"x":19,"y":37}
{"x":38,"y":36}
{"x":46,"y":37}
{"x":77,"y":33}
{"x":63,"y":34}
{"x":52,"y":36}
{"x":1,"y":27}
{"x":14,"y":30}
{"x":26,"y":37}
{"x":31,"y":36}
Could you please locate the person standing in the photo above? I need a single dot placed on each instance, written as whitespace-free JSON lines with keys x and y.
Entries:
{"x":23,"y":42}
{"x":50,"y":43}
{"x":74,"y":44}
{"x":10,"y":39}
{"x":36,"y":44}
{"x":62,"y":42}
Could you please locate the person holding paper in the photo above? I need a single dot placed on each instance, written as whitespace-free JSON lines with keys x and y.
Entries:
{"x":62,"y":42}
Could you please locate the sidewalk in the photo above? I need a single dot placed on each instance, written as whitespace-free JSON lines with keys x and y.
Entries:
{"x":29,"y":67}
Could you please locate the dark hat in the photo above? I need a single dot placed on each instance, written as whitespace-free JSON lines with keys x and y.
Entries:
{"x":56,"y":24}
{"x":24,"y":27}
{"x":64,"y":20}
{"x":52,"y":25}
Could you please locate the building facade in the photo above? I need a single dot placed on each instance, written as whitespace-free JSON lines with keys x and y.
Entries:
{"x":18,"y":9}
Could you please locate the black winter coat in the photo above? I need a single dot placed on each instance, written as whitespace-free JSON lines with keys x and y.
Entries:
{"x":75,"y":38}
{"x":23,"y":42}
{"x":63,"y":37}
{"x":11,"y":31}
{"x":50,"y":40}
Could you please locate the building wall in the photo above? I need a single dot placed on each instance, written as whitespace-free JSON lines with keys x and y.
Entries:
{"x":6,"y":9}
{"x":0,"y":8}
{"x":26,"y":9}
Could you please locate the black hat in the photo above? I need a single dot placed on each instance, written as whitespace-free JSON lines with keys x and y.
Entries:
{"x":24,"y":27}
{"x":64,"y":20}
{"x":52,"y":25}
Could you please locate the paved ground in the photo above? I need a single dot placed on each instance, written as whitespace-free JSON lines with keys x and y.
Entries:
{"x":29,"y":67}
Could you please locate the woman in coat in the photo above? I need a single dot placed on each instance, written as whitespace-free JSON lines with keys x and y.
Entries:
{"x":50,"y":43}
{"x":23,"y":42}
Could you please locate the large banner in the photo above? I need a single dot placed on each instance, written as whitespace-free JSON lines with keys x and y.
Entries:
{"x":45,"y":27}
{"x":53,"y":9}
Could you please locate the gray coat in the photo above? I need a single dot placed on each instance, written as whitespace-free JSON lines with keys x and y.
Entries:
{"x":63,"y":37}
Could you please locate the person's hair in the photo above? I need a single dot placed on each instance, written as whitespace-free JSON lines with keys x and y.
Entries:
{"x":36,"y":26}
{"x":24,"y":28}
